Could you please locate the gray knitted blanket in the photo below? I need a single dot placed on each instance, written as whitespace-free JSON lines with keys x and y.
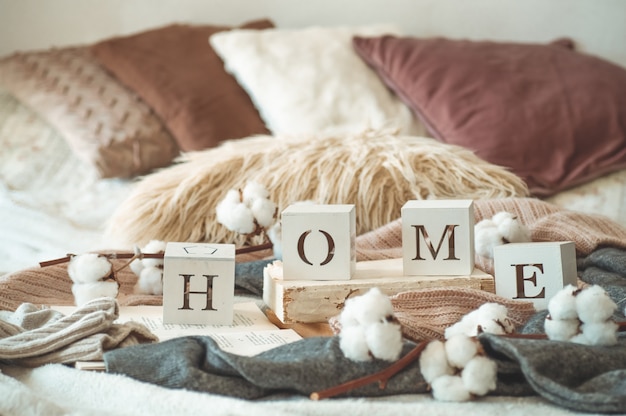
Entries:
{"x":578,"y":377}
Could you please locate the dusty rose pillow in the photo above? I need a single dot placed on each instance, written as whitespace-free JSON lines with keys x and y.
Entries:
{"x":554,"y":116}
{"x":175,"y":70}
{"x":105,"y":124}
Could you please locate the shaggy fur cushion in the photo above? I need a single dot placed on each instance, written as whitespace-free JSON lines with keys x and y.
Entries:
{"x":376,"y":171}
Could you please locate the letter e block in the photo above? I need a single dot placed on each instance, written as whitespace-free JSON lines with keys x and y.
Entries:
{"x":438,"y":237}
{"x":534,"y":271}
{"x":318,"y":242}
{"x":198,"y":283}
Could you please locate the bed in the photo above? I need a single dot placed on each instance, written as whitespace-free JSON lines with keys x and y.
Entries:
{"x":128,"y":122}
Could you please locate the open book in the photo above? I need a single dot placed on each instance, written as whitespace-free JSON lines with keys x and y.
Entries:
{"x":249,"y":334}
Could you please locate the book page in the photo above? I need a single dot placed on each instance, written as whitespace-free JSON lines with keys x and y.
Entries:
{"x":247,"y":317}
{"x":255,"y":342}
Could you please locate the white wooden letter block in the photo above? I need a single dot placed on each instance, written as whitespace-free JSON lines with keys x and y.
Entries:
{"x":438,"y":237}
{"x":534,"y":271}
{"x":198,"y":283}
{"x":318,"y":241}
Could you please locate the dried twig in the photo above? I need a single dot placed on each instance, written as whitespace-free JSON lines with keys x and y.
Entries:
{"x":382,"y":377}
{"x":133,"y":256}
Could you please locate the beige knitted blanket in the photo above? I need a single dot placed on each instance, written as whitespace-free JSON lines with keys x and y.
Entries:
{"x":31,"y":336}
{"x":547,"y":222}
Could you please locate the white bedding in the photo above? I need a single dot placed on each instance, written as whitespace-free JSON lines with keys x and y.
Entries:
{"x":55,"y":390}
{"x":51,"y":203}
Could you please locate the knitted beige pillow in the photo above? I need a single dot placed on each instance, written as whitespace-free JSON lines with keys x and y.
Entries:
{"x":376,"y":171}
{"x":106,"y":124}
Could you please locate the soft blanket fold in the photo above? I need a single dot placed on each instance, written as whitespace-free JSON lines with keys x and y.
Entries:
{"x":578,"y":377}
{"x":571,"y":375}
{"x":31,"y":336}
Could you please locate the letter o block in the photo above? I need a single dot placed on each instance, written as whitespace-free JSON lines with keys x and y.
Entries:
{"x":318,"y":242}
{"x":534,"y":271}
{"x":438,"y":237}
{"x":198,"y":283}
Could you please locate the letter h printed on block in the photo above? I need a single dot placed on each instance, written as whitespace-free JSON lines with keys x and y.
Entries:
{"x":198,"y":283}
{"x":438,"y":237}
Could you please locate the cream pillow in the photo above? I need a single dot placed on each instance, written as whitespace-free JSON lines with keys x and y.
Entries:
{"x":376,"y":171}
{"x":310,"y":80}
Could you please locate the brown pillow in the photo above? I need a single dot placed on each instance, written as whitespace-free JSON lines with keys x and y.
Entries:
{"x":554,"y":116}
{"x":106,"y":125}
{"x":175,"y":70}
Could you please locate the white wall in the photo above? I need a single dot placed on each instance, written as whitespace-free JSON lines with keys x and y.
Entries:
{"x":596,"y":25}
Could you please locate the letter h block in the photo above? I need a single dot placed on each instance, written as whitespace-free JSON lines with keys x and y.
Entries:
{"x":198,"y":283}
{"x":438,"y":237}
{"x":534,"y":271}
{"x":318,"y":242}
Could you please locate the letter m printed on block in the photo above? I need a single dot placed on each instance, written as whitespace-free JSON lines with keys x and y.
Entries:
{"x":447,"y":235}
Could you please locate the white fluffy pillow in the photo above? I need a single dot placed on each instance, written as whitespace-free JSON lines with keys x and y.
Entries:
{"x":311,"y":80}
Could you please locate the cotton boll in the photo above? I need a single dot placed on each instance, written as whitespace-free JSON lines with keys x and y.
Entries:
{"x":384,"y":340}
{"x":264,"y":211}
{"x":600,"y":333}
{"x":491,"y":317}
{"x":492,"y":310}
{"x":466,"y":326}
{"x":434,"y":362}
{"x":136,"y":266}
{"x":252,"y":191}
{"x":580,"y":339}
{"x":274,"y":233}
{"x":593,"y":304}
{"x":366,"y":309}
{"x":561,"y":329}
{"x":89,"y":267}
{"x":224,"y":209}
{"x":460,"y":349}
{"x":511,"y":228}
{"x":240,"y":219}
{"x":353,"y":344}
{"x":486,"y":237}
{"x":150,"y":281}
{"x":85,"y":292}
{"x":153,"y":247}
{"x":496,"y":326}
{"x":563,"y":304}
{"x":232,"y":198}
{"x":450,"y":389}
{"x":479,"y":375}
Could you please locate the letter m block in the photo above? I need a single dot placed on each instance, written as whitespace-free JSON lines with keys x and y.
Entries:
{"x":438,"y":237}
{"x":198,"y":284}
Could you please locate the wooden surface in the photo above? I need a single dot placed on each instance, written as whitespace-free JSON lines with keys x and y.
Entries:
{"x":308,"y":301}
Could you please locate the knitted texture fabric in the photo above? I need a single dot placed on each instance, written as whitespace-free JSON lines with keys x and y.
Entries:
{"x":425,"y":314}
{"x":547,"y":222}
{"x":607,"y":267}
{"x":31,"y":336}
{"x":51,"y":285}
{"x":552,"y":369}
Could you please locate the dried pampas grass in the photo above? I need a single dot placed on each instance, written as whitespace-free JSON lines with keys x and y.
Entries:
{"x":376,"y":171}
